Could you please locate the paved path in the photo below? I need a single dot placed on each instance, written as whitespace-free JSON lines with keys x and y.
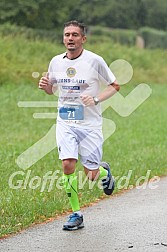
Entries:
{"x":133,"y":221}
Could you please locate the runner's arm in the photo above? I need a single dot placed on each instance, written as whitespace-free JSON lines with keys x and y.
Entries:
{"x":109,"y":91}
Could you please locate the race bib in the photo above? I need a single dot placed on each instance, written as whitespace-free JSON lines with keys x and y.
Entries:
{"x":72,"y":112}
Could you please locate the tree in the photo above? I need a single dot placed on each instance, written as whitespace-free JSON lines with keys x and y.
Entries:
{"x":51,"y":14}
{"x":156,"y":14}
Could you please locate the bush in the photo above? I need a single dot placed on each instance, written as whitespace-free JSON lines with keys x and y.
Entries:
{"x":120,"y":36}
{"x":8,"y":29}
{"x":154,"y":38}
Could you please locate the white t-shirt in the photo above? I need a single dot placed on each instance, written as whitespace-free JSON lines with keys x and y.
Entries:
{"x":81,"y":76}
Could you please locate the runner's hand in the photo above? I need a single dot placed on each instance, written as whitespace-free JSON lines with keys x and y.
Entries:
{"x":44,"y":82}
{"x":87,"y":100}
{"x":46,"y":85}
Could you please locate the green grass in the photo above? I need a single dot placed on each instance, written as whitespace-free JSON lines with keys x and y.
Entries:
{"x":21,"y":57}
{"x":138,"y":144}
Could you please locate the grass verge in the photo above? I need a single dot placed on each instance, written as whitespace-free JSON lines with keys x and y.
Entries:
{"x":138,"y":145}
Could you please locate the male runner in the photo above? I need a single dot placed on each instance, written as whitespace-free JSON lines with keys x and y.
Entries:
{"x":78,"y":75}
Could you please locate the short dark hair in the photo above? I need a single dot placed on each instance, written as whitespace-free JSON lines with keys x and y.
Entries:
{"x":82,"y":26}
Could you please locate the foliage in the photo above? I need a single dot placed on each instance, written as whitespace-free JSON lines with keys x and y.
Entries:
{"x":156,"y":14}
{"x":13,"y":30}
{"x":121,"y":36}
{"x":49,"y":14}
{"x":35,"y":14}
{"x":21,"y":57}
{"x":154,"y":38}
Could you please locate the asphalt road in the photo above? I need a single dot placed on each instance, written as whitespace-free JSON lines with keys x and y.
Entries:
{"x":133,"y":221}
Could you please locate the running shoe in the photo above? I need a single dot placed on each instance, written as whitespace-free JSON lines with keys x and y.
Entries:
{"x":109,"y":182}
{"x":74,"y":222}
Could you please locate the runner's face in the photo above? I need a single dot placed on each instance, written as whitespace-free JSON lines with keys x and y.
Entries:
{"x":73,"y":38}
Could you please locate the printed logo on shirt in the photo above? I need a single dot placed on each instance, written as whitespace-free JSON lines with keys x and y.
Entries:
{"x":71,"y":87}
{"x":71,"y":72}
{"x":73,"y":81}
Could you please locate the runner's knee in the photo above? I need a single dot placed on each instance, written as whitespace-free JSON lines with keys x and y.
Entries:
{"x":92,"y":174}
{"x":68,"y":166}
